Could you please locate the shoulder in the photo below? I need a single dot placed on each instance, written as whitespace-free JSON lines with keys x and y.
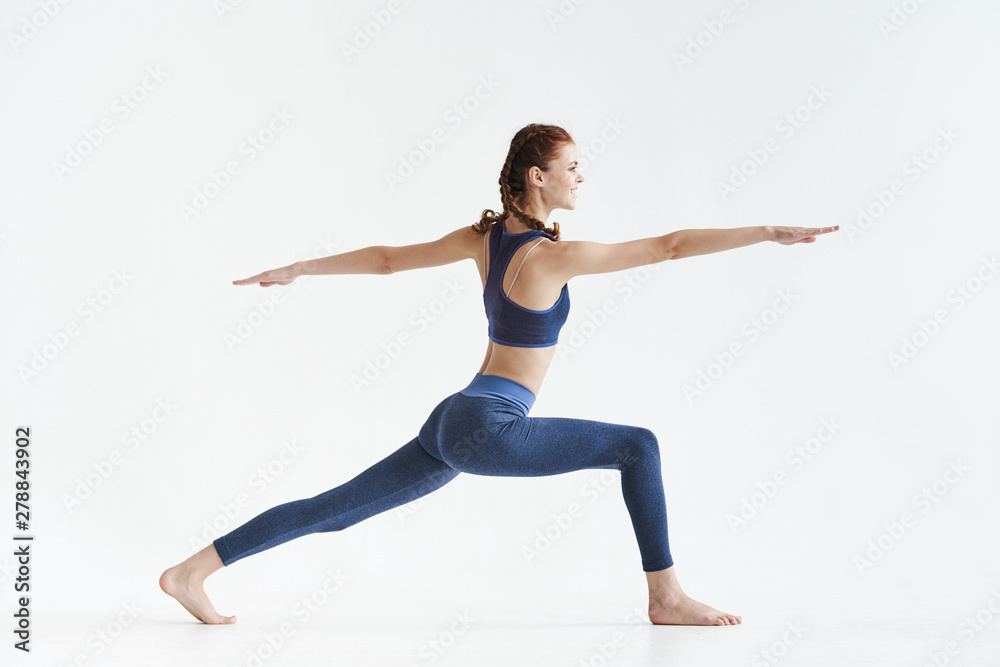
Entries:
{"x":465,"y":240}
{"x":544,"y":247}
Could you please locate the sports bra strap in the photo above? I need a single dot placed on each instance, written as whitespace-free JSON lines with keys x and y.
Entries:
{"x":520,"y":265}
{"x":486,"y":236}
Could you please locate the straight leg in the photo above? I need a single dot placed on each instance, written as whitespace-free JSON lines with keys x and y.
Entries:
{"x":401,"y":477}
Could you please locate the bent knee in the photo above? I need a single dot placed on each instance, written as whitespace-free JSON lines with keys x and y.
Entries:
{"x":645,"y":441}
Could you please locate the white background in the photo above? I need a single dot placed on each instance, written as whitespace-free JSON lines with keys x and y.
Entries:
{"x":660,"y":135}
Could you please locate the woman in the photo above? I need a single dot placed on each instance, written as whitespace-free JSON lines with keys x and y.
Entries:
{"x":484,"y":429}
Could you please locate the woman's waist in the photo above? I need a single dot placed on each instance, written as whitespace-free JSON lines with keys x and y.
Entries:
{"x":525,"y":365}
{"x":502,"y":388}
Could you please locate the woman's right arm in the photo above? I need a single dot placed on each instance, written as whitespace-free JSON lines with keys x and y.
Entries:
{"x":574,"y":258}
{"x":691,"y":242}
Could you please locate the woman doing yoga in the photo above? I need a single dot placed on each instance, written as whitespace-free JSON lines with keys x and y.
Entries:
{"x":484,"y":429}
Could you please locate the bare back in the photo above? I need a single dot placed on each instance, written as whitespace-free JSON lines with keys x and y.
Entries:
{"x":527,"y":283}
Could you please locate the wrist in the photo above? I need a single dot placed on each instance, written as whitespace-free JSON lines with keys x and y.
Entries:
{"x":300,"y":268}
{"x":768,"y":232}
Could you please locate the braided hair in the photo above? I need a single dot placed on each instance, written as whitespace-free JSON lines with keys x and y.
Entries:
{"x":534,"y":145}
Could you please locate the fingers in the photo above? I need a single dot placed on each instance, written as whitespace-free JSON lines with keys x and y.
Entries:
{"x":247,"y":281}
{"x":252,"y":281}
{"x":813,"y":231}
{"x":259,"y":278}
{"x":268,"y":278}
{"x":810,"y":234}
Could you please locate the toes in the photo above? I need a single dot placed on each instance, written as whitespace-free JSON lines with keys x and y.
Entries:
{"x":219,"y":619}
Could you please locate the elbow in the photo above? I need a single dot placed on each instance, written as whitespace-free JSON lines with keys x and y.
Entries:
{"x":667,"y":250}
{"x":383,"y":262}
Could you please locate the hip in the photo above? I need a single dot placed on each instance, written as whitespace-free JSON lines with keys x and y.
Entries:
{"x":488,"y":408}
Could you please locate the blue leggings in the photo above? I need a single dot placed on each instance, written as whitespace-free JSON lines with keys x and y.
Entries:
{"x":483,"y":429}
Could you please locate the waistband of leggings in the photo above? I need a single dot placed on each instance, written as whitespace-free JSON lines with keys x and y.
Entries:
{"x":494,"y":386}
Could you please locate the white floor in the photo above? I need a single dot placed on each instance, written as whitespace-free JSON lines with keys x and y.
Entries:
{"x":831,"y":631}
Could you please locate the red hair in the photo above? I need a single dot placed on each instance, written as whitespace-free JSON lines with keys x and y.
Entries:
{"x":534,"y":145}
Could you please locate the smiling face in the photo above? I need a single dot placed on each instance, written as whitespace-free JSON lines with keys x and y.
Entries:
{"x":565,"y":177}
{"x":557,"y":185}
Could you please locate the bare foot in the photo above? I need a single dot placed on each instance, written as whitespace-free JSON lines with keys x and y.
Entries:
{"x":187,"y":588}
{"x":670,"y":605}
{"x":679,"y":609}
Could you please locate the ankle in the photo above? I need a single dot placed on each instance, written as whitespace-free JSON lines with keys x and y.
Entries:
{"x":663,"y":585}
{"x":666,"y":597}
{"x":187,"y":573}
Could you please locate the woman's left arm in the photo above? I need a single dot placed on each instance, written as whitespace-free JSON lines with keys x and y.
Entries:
{"x":377,"y":259}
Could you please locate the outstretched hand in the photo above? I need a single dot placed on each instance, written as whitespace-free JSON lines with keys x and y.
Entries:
{"x":790,"y":235}
{"x":282,"y":276}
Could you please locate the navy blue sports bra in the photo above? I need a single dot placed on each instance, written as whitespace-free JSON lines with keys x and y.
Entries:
{"x":510,"y":323}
